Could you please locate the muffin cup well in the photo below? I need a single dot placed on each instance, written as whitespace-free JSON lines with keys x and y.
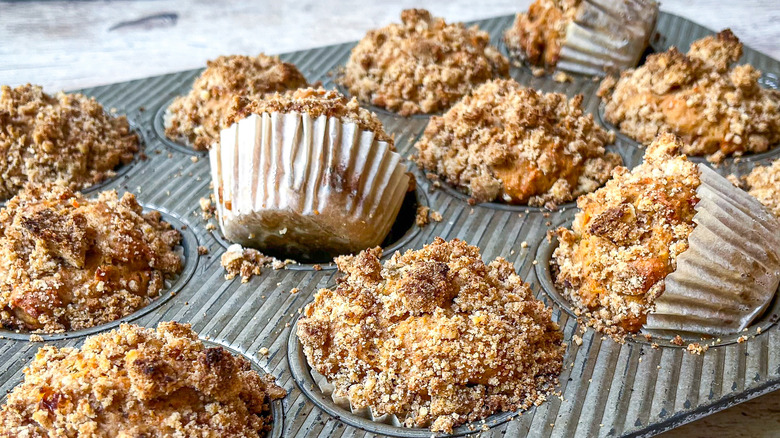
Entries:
{"x":731,"y":270}
{"x":305,"y":187}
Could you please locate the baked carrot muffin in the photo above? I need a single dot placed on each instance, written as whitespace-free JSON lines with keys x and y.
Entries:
{"x":516,"y":145}
{"x":763,"y":182}
{"x":65,"y":137}
{"x":140,"y":382}
{"x":422,"y":65}
{"x":68,"y":262}
{"x":435,"y":336}
{"x":198,"y":117}
{"x":584,"y":36}
{"x":669,"y":245}
{"x":718,"y":110}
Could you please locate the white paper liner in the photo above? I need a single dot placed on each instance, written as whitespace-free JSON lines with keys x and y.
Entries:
{"x":308,"y":187}
{"x":343,"y":402}
{"x":607,"y":36}
{"x":731,"y":270}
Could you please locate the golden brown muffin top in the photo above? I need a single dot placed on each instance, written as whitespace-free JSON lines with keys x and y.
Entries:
{"x":626,"y":238}
{"x":537,"y":35}
{"x":68,"y":262}
{"x":315,"y":103}
{"x":422,"y":65}
{"x":511,"y":143}
{"x":435,"y":336}
{"x":716,"y":109}
{"x":65,"y":137}
{"x":198,"y":117}
{"x":136,"y":381}
{"x":764,"y":184}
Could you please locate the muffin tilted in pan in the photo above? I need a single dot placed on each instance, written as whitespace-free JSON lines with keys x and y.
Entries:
{"x":422,"y":65}
{"x":68,"y":262}
{"x":65,"y":137}
{"x":670,"y":246}
{"x":763,"y":182}
{"x":140,"y":382}
{"x":592,"y":37}
{"x":717,"y":109}
{"x":508,"y":143}
{"x":197,"y":117}
{"x":306,"y":175}
{"x":434,"y":337}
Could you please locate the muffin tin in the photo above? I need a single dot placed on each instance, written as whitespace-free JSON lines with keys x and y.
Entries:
{"x":606,"y":389}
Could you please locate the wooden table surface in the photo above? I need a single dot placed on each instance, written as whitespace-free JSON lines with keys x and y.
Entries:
{"x":69,"y":45}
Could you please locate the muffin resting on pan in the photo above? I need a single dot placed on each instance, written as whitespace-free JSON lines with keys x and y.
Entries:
{"x":764,"y":183}
{"x":306,"y":175}
{"x":68,"y":262}
{"x":513,"y":144}
{"x":716,"y":109}
{"x":65,"y":137}
{"x":140,"y":382}
{"x":585,"y":36}
{"x":422,"y":65}
{"x":669,"y":245}
{"x":435,"y":337}
{"x":198,"y":117}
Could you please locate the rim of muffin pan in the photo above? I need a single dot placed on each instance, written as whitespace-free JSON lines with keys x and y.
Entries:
{"x":187,"y":249}
{"x":543,"y":268}
{"x":727,"y":162}
{"x":403,"y":231}
{"x":303,"y":375}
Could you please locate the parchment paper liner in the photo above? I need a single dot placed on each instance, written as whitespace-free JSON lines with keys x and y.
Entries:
{"x":607,"y":36}
{"x":731,"y":270}
{"x":305,"y":187}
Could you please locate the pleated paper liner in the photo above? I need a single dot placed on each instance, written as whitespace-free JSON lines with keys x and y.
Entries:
{"x":731,"y":270}
{"x":307,"y":188}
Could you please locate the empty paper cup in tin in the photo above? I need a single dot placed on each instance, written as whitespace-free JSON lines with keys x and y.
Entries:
{"x":308,"y":176}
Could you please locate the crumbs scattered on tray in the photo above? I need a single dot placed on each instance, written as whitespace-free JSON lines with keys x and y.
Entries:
{"x":425,"y":215}
{"x":248,"y":262}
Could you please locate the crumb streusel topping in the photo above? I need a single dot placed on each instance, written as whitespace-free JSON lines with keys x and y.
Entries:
{"x":511,"y":143}
{"x":435,"y":336}
{"x":764,"y":184}
{"x":422,"y":65}
{"x":315,"y":103}
{"x":68,"y":262}
{"x":537,"y":35}
{"x":140,"y":382}
{"x":626,"y":239}
{"x":716,"y":109}
{"x":198,"y":117}
{"x":64,"y":137}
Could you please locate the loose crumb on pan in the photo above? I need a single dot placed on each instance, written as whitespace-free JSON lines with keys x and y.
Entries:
{"x":625,"y":240}
{"x":425,"y":215}
{"x":718,"y":110}
{"x":197,"y":117}
{"x":763,"y":183}
{"x":422,"y":65}
{"x":68,"y":262}
{"x":511,"y":143}
{"x":677,"y":340}
{"x":536,"y":36}
{"x":140,"y":382}
{"x":697,"y":349}
{"x":248,"y":262}
{"x":62,"y":137}
{"x":315,"y":103}
{"x":435,"y":336}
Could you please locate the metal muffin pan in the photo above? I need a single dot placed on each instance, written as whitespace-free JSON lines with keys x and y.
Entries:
{"x":607,"y":389}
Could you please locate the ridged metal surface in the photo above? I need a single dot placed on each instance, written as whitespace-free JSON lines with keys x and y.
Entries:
{"x":607,"y":389}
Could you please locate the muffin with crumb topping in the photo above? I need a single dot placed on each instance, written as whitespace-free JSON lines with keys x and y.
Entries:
{"x":509,"y":143}
{"x":422,"y":65}
{"x":68,"y":262}
{"x":197,"y":117}
{"x":669,"y":246}
{"x":140,"y":382}
{"x":434,"y":337}
{"x":718,"y":110}
{"x":63,"y":137}
{"x":763,"y":182}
